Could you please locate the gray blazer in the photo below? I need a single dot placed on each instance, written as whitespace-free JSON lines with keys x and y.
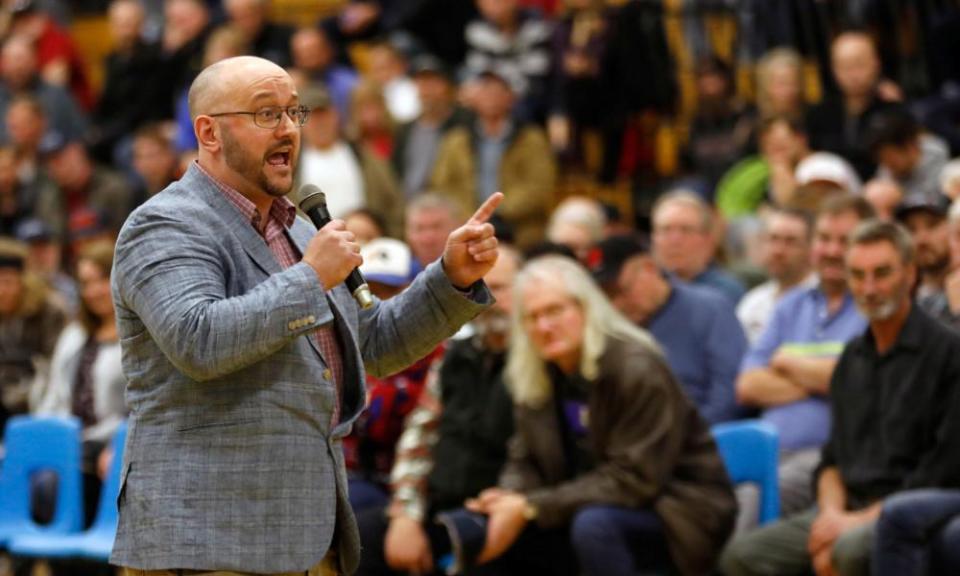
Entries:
{"x":230,"y":461}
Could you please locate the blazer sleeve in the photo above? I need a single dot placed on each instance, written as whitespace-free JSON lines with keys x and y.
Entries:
{"x":397,"y":332}
{"x":169,"y":274}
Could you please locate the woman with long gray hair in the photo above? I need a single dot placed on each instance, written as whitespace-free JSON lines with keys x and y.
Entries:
{"x":608,"y":455}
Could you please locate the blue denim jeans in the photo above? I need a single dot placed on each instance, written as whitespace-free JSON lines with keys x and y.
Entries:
{"x":918,"y":533}
{"x":617,"y":541}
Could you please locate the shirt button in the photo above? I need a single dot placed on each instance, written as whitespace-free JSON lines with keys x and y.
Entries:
{"x":327,"y":374}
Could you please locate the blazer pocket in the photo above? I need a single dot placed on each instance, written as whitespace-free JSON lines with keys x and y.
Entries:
{"x":215,"y":425}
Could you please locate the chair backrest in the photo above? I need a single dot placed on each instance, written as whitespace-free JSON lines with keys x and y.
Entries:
{"x":106,"y":519}
{"x":34,"y":444}
{"x":750,"y":451}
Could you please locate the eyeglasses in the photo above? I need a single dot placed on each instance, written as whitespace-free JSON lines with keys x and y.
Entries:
{"x":270,"y":116}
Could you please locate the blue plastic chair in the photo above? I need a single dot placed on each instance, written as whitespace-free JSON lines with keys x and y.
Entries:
{"x":750,"y":451}
{"x":97,"y":542}
{"x":34,"y":444}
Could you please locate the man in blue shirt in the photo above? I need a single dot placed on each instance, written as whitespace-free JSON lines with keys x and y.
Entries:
{"x":696,"y":327}
{"x":684,"y":243}
{"x":786,"y":373}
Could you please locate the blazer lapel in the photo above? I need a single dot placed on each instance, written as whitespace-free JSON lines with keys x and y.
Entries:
{"x":253,"y":243}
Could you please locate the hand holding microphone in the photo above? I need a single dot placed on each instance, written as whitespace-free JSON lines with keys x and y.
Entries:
{"x":333,"y":252}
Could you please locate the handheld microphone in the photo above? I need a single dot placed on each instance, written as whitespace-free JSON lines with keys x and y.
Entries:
{"x":313,"y":202}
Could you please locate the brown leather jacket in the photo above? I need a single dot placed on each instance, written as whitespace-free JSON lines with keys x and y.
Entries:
{"x":652,"y":448}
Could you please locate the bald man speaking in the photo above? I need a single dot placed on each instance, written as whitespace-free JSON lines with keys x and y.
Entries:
{"x":245,"y":353}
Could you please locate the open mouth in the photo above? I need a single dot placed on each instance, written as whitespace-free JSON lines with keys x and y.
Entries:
{"x":279,"y":159}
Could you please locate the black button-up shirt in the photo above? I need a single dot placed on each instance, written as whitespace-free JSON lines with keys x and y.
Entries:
{"x":896,"y":416}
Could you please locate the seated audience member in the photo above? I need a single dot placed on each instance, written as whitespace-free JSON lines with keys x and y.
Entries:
{"x":497,"y":153}
{"x":884,"y":195}
{"x":578,"y":222}
{"x":918,"y":533}
{"x":59,"y":59}
{"x":839,"y":123}
{"x":86,"y":379}
{"x":83,"y":185}
{"x":786,"y":239}
{"x":780,"y":83}
{"x":611,"y":470}
{"x":365,"y":224}
{"x":430,"y":218}
{"x":786,"y":373}
{"x":516,"y":42}
{"x":266,"y":39}
{"x":370,"y":123}
{"x":155,"y":160}
{"x":944,"y":304}
{"x":767,"y":178}
{"x":722,"y":131}
{"x":684,"y":243}
{"x":462,"y":422}
{"x":31,"y":318}
{"x":905,"y":155}
{"x":388,"y":68}
{"x":417,"y":142}
{"x":893,"y":397}
{"x":26,"y":125}
{"x":705,"y":354}
{"x":351,"y":174}
{"x":186,"y":30}
{"x":221,"y":43}
{"x":19,"y":76}
{"x":315,"y":62}
{"x":45,"y":259}
{"x":129,"y":97}
{"x":926,"y":220}
{"x":18,"y":200}
{"x":581,"y":95}
{"x":388,"y":267}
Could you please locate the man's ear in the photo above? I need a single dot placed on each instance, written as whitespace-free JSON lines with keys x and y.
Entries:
{"x":208,"y":133}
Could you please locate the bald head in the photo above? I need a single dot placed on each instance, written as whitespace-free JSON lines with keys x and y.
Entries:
{"x":855,"y":63}
{"x":223,"y":80}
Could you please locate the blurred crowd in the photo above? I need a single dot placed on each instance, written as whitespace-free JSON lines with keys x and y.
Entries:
{"x":713,"y":211}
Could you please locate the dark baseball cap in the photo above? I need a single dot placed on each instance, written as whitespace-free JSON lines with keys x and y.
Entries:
{"x":936,"y":206}
{"x":32,"y":230}
{"x":430,"y":64}
{"x":606,"y":259}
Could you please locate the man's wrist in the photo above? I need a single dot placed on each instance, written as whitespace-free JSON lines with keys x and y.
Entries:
{"x":462,"y":289}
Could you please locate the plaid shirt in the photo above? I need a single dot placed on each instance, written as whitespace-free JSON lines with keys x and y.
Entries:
{"x":281,"y":217}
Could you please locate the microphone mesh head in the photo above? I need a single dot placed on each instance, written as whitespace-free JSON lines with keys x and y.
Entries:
{"x":310,"y":196}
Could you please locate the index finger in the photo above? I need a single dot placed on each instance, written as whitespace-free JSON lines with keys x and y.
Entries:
{"x":485,"y":211}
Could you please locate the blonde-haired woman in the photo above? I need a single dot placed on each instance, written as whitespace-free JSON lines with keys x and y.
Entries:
{"x":609,"y":457}
{"x":780,"y":84}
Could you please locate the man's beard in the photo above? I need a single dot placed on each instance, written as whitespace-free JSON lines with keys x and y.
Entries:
{"x":492,"y":322}
{"x":884,"y":309}
{"x":929,"y":262}
{"x":243,"y":163}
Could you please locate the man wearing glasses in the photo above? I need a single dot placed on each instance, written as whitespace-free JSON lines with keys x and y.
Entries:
{"x":245,"y":354}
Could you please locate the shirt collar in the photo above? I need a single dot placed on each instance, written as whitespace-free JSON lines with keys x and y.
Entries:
{"x":282,"y":210}
{"x":910,"y":336}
